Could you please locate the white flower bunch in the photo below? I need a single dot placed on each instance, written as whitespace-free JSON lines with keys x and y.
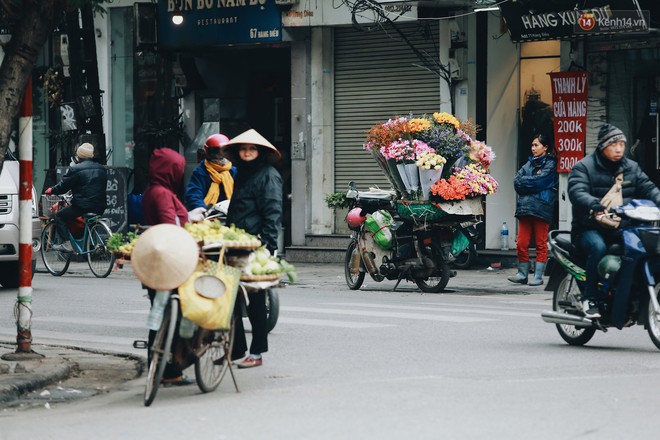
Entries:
{"x":429,"y":159}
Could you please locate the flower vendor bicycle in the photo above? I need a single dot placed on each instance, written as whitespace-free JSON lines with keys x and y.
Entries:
{"x":91,"y":245}
{"x":399,"y":240}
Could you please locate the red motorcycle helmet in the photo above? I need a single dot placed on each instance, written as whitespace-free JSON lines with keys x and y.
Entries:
{"x":354,"y":218}
{"x":215,"y":141}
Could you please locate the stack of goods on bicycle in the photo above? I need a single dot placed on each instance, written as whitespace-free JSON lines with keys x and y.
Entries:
{"x":122,"y":244}
{"x":434,"y":164}
{"x":258,"y":265}
{"x":211,"y":232}
{"x":261,"y":265}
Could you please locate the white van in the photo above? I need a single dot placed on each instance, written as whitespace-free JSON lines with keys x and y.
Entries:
{"x":9,"y":206}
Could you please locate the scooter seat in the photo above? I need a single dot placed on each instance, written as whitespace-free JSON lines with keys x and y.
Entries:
{"x":574,"y":254}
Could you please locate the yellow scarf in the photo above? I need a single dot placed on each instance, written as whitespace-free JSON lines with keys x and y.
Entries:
{"x":219,"y":175}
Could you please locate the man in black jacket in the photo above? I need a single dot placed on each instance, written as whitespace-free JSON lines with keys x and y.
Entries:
{"x":87,"y":180}
{"x":589,"y":180}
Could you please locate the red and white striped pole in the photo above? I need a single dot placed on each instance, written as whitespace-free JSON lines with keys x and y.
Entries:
{"x":24,"y":300}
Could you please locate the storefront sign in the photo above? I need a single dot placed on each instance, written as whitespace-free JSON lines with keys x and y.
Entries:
{"x":548,"y":22}
{"x":218,"y":22}
{"x":569,"y":109}
{"x":327,"y":13}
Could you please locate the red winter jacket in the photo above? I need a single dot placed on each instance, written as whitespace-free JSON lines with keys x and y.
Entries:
{"x":160,"y":203}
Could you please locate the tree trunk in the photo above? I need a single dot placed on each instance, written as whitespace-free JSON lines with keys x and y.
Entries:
{"x":36,"y":22}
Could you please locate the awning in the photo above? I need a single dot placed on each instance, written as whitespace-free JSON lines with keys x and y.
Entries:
{"x":533,"y":20}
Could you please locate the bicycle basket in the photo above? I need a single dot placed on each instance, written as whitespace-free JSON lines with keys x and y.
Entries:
{"x":50,"y":204}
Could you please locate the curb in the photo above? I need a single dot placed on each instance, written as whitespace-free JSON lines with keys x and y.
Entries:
{"x":55,"y":369}
{"x":15,"y":387}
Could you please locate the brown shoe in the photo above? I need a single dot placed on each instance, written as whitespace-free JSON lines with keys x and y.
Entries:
{"x":250,"y":362}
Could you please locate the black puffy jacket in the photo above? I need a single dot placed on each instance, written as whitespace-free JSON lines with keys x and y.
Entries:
{"x":591,"y":179}
{"x":256,"y":204}
{"x":88,"y":181}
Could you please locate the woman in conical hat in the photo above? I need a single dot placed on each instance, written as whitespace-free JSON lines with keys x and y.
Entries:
{"x":230,"y":149}
{"x":256,"y":206}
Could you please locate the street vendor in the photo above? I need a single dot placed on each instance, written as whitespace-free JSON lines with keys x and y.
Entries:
{"x":212,"y":180}
{"x":161,"y":204}
{"x":256,"y":207}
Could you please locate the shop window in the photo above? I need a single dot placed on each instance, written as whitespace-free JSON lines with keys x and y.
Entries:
{"x":537,"y":59}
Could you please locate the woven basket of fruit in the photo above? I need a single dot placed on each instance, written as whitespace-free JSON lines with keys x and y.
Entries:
{"x":262,"y":266}
{"x":213,"y":234}
{"x":255,"y":278}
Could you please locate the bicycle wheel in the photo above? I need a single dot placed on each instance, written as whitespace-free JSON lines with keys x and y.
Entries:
{"x":354,"y":275}
{"x":100,"y":259}
{"x":56,"y":261}
{"x":213,"y":361}
{"x":161,"y":351}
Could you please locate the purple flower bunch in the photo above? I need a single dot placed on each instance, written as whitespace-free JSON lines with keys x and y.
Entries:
{"x":446,"y":141}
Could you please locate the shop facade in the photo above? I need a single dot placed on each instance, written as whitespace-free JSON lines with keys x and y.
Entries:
{"x":312,"y":79}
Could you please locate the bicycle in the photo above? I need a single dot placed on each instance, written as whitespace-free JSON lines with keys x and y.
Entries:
{"x":92,"y":243}
{"x":208,"y":350}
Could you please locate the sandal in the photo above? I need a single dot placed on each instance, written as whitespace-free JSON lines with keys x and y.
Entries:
{"x":177,"y":381}
{"x":250,"y":362}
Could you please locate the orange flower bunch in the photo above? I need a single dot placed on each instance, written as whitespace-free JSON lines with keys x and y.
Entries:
{"x":416,"y":125}
{"x":469,"y":127}
{"x":452,"y":189}
{"x":384,"y":134}
{"x":446,"y":118}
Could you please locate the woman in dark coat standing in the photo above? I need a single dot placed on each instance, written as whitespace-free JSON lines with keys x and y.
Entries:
{"x":256,"y":206}
{"x":536,"y":184}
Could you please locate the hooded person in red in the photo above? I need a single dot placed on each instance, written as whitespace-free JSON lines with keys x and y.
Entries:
{"x":160,"y":202}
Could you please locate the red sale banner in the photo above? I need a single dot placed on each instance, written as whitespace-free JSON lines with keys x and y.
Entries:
{"x":569,"y":108}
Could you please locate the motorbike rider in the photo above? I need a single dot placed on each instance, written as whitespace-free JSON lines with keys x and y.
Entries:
{"x":87,"y":180}
{"x":589,"y":180}
{"x":212,"y":180}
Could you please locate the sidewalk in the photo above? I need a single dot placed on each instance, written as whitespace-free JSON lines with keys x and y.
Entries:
{"x":77,"y":372}
{"x":83,"y":372}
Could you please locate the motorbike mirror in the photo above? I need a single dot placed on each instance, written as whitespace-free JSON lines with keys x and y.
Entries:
{"x":351,"y":186}
{"x":222,"y":207}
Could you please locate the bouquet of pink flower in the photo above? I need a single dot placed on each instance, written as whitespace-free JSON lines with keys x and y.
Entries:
{"x":413,"y":150}
{"x":482,"y":153}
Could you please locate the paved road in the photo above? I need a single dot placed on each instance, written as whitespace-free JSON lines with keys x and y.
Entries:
{"x":373,"y":364}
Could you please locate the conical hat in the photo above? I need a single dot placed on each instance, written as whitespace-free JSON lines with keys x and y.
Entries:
{"x":229,"y":150}
{"x":164,"y":256}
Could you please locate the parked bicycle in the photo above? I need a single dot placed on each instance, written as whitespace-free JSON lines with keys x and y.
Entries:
{"x":209,"y":350}
{"x":91,"y":244}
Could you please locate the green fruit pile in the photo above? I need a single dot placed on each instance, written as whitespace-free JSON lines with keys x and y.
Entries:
{"x":212,"y":232}
{"x":261,"y":262}
{"x":122,"y":243}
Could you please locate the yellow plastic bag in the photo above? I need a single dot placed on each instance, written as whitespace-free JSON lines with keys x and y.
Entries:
{"x":210,"y":313}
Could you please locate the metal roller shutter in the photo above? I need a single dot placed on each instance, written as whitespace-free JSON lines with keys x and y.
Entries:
{"x":377,"y":76}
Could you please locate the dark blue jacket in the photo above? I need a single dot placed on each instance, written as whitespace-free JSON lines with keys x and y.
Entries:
{"x":199,"y":185}
{"x":536,"y":184}
{"x":87,"y":181}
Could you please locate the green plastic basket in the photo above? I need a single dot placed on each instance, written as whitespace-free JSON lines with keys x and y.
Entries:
{"x":419,"y":211}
